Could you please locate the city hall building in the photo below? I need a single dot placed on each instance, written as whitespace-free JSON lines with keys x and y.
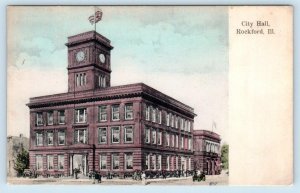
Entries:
{"x":98,"y":127}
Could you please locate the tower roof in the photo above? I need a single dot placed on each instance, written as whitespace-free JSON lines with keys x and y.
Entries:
{"x":86,"y":37}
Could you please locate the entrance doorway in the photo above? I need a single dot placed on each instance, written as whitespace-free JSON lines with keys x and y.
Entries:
{"x":79,"y":161}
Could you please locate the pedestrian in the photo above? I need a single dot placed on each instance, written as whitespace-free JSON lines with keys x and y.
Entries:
{"x":164,"y":174}
{"x":97,"y":176}
{"x":143,"y":178}
{"x":99,"y":180}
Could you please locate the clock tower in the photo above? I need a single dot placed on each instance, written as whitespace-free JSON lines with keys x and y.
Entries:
{"x":88,"y":62}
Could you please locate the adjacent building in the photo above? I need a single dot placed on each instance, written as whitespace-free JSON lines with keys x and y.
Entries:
{"x":14,"y":146}
{"x":207,"y":155}
{"x":98,"y":127}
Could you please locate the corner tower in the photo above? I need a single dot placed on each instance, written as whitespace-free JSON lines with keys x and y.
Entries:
{"x":88,"y":61}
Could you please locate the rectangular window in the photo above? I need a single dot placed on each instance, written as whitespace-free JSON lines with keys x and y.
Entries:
{"x":61,"y":162}
{"x":172,"y":120}
{"x":176,"y":141}
{"x":115,"y":133}
{"x":153,"y":138}
{"x":168,"y":119}
{"x":50,"y":164}
{"x":181,"y":124}
{"x":128,"y":111}
{"x":159,"y":138}
{"x":190,"y":144}
{"x":173,"y":140}
{"x":80,"y":79}
{"x":115,"y":161}
{"x":61,"y":117}
{"x":167,"y":139}
{"x":177,"y":164}
{"x":80,"y":115}
{"x":103,"y":162}
{"x":39,"y":139}
{"x":159,"y":116}
{"x":50,"y":138}
{"x":128,"y":134}
{"x":147,"y":135}
{"x":50,"y":118}
{"x":102,"y":81}
{"x":158,"y":164}
{"x":128,"y":161}
{"x":39,"y":162}
{"x":182,"y":142}
{"x":39,"y":118}
{"x":80,"y":136}
{"x":77,"y":80}
{"x":176,"y":122}
{"x":168,"y":163}
{"x":146,"y":157}
{"x":61,"y":137}
{"x":153,"y":115}
{"x":102,"y":113}
{"x":189,"y":126}
{"x":148,"y":113}
{"x":102,"y":135}
{"x":115,"y":110}
{"x":153,"y":162}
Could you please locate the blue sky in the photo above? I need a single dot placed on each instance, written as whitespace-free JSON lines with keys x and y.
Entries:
{"x":182,"y":51}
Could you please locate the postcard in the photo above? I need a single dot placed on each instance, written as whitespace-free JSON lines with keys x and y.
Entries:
{"x":150,"y":95}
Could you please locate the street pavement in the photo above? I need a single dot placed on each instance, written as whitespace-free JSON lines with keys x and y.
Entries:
{"x":210,"y":180}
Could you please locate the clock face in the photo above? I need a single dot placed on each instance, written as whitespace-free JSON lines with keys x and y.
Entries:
{"x":80,"y":56}
{"x":102,"y":58}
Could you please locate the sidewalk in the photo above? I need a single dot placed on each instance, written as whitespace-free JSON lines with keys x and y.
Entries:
{"x":116,"y":181}
{"x":210,"y":180}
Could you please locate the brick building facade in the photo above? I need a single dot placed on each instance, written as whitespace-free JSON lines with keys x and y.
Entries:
{"x":97,"y":127}
{"x":207,"y":155}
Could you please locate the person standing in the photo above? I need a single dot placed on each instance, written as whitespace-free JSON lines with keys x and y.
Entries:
{"x":143,"y":178}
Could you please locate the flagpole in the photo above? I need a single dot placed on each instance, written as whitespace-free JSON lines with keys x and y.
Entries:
{"x":95,"y":18}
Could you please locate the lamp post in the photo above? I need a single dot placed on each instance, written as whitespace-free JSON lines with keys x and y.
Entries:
{"x":94,"y":149}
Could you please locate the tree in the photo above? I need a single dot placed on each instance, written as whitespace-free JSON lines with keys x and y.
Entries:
{"x":22,"y":162}
{"x":224,"y":156}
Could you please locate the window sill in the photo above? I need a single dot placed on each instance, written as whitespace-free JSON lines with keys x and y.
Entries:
{"x":129,"y":119}
{"x":128,"y":142}
{"x":80,"y":124}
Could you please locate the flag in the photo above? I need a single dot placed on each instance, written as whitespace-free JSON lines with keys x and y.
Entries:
{"x":214,"y":126}
{"x":96,"y":17}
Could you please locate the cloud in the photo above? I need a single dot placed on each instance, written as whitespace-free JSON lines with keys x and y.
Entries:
{"x":40,"y":52}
